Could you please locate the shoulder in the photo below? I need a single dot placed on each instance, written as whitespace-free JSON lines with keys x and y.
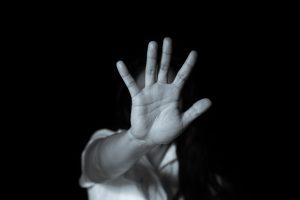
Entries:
{"x":103,"y":133}
{"x":100,"y":134}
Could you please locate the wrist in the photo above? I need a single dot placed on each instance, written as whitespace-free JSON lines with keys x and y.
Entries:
{"x":138,"y":141}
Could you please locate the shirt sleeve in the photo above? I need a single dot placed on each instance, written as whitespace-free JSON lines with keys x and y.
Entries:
{"x":84,"y":181}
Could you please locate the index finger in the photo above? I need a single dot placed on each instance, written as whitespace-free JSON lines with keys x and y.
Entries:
{"x":185,"y":70}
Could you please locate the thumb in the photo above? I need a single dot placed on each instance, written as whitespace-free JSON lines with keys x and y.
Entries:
{"x":195,"y":111}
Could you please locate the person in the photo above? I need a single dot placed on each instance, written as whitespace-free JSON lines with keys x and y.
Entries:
{"x":149,"y":159}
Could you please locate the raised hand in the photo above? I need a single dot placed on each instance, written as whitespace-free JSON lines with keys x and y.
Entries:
{"x":155,"y":114}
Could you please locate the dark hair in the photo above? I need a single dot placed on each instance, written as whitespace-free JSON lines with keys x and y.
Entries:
{"x":198,"y":176}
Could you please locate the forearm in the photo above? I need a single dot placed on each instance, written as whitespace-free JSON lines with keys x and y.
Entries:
{"x":110,"y":157}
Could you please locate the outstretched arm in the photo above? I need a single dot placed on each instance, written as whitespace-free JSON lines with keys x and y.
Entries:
{"x":155,"y":116}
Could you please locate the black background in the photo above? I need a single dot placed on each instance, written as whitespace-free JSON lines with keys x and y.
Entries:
{"x":66,"y":85}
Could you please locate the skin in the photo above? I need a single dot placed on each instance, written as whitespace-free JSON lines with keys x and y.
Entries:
{"x":156,"y":154}
{"x":156,"y":119}
{"x":155,"y":115}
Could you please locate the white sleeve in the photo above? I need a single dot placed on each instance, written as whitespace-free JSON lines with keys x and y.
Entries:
{"x":84,"y":181}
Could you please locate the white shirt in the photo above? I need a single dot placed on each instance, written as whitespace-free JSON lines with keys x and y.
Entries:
{"x":141,"y":182}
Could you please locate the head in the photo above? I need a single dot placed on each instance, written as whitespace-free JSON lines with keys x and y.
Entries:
{"x":197,"y":178}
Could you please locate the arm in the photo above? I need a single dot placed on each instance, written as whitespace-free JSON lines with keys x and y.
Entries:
{"x":112,"y":156}
{"x":155,"y":117}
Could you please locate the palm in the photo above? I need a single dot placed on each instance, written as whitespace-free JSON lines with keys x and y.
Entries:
{"x":155,"y":110}
{"x":155,"y":114}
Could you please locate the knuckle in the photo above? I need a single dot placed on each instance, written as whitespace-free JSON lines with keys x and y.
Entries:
{"x":181,"y":77}
{"x":151,"y":70}
{"x":130,"y":83}
{"x":164,"y":66}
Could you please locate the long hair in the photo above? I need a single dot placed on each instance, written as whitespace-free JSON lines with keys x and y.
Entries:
{"x":198,"y":176}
